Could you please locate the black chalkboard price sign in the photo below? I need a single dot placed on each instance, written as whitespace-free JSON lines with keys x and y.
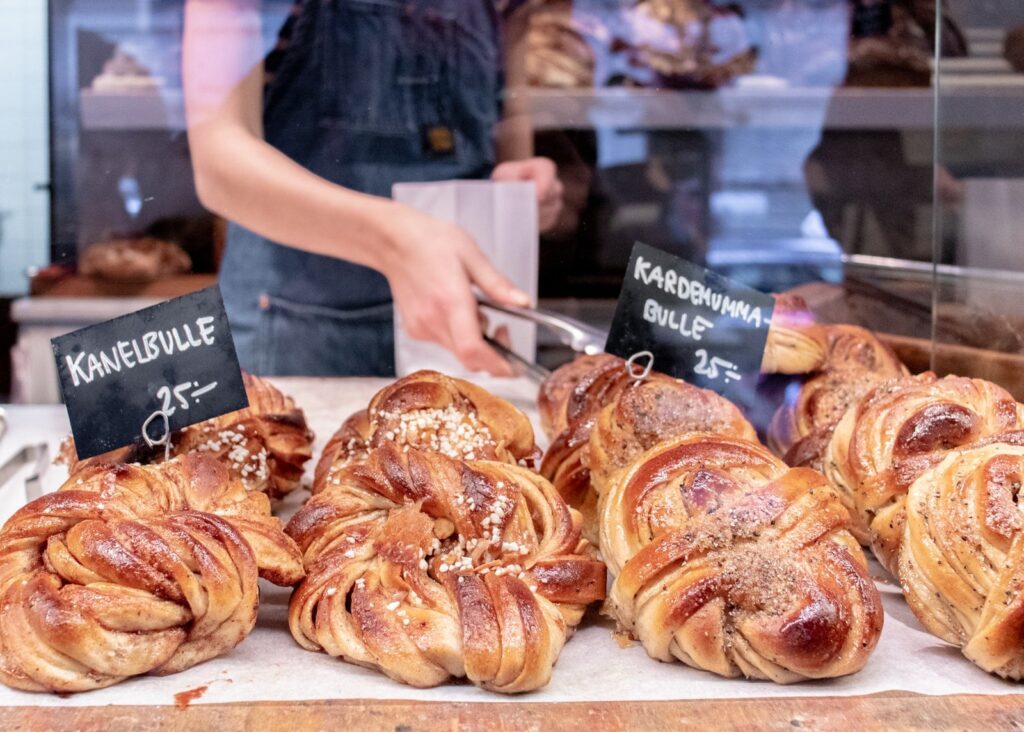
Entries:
{"x":176,"y":358}
{"x":700,"y":326}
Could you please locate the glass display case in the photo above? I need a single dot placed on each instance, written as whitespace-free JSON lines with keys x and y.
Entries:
{"x":376,"y":350}
{"x":847,"y":155}
{"x":979,"y":171}
{"x":830,"y":147}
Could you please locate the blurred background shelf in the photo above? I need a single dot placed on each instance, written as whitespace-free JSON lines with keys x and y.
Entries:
{"x":976,"y":101}
{"x":159,"y":109}
{"x":977,"y":98}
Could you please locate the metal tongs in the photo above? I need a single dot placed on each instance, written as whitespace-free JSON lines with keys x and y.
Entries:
{"x":578,"y":336}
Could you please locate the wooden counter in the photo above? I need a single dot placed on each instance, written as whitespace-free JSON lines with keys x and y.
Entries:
{"x":849,"y":714}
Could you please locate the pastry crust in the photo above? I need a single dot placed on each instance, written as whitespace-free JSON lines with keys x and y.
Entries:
{"x":564,"y":385}
{"x":961,"y":561}
{"x":431,"y":411}
{"x":855,"y":361}
{"x":557,"y":53}
{"x":143,"y":259}
{"x":611,"y":418}
{"x":726,"y":559}
{"x":899,"y":429}
{"x":795,"y":343}
{"x":571,"y":397}
{"x":930,"y":470}
{"x":134,"y":569}
{"x":430,"y":568}
{"x":265,"y":446}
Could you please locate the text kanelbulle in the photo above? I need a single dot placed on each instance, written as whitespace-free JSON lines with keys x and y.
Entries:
{"x":85,"y":366}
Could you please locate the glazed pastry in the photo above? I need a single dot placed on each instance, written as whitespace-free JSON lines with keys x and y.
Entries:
{"x":430,"y":411}
{"x":897,"y":430}
{"x":681,"y":52}
{"x":557,"y":53}
{"x":349,"y":445}
{"x":648,"y":412}
{"x":613,"y":417}
{"x":729,"y":561}
{"x":645,"y":414}
{"x":266,"y":445}
{"x":572,"y":396}
{"x":429,"y":568}
{"x":855,"y":361}
{"x":795,"y":344}
{"x":961,"y":562}
{"x":133,"y":569}
{"x":564,"y":385}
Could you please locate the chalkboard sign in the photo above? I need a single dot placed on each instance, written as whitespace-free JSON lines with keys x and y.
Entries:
{"x":176,"y":357}
{"x":700,"y":326}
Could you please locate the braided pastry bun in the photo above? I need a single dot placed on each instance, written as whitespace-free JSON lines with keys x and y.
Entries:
{"x":855,"y":362}
{"x":961,"y":563}
{"x":266,"y":445}
{"x":732,"y":562}
{"x":595,"y":381}
{"x":429,"y":568}
{"x":648,"y":412}
{"x":795,"y":344}
{"x":572,"y":382}
{"x":133,"y":569}
{"x":430,"y":411}
{"x":349,"y":445}
{"x":640,"y":416}
{"x":894,"y":432}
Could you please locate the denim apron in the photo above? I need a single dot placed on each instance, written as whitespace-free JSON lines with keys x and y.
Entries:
{"x":368,"y":93}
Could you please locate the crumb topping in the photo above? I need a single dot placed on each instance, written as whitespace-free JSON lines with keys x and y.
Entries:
{"x":234,"y":445}
{"x":449,"y":430}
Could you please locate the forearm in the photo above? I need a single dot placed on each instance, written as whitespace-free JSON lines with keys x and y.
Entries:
{"x":246,"y":180}
{"x":243,"y":178}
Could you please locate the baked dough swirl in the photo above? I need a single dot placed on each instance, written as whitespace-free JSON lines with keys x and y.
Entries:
{"x":855,"y":362}
{"x":429,"y":568}
{"x":428,"y":410}
{"x":570,"y":399}
{"x":649,"y":412}
{"x":612,"y":418}
{"x":795,"y":343}
{"x":897,"y":430}
{"x":266,"y":445}
{"x":961,"y":563}
{"x":132,"y":569}
{"x":728,"y":560}
{"x":567,"y":395}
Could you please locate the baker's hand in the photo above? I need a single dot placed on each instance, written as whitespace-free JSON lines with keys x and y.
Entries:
{"x":544,"y":174}
{"x":431,"y":266}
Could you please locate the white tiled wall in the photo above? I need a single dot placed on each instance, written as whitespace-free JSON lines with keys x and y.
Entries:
{"x":24,"y":211}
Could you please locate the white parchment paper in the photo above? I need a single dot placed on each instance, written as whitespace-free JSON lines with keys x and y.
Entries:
{"x":270,"y":666}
